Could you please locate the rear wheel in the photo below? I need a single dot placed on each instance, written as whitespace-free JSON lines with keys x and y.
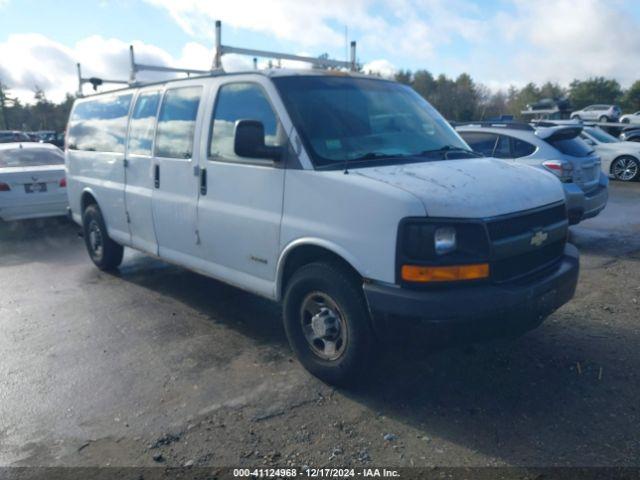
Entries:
{"x":626,"y":120}
{"x":576,"y":117}
{"x":104,"y":252}
{"x":626,"y":169}
{"x":603,"y":119}
{"x":327,"y":322}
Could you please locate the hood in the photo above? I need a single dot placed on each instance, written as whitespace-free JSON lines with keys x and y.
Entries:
{"x":472,"y":188}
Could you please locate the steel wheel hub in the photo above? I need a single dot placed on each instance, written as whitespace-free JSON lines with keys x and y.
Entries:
{"x":95,"y":239}
{"x":323,"y":326}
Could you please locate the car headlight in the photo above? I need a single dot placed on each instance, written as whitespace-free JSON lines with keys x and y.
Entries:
{"x":444,"y":240}
{"x":432,"y":250}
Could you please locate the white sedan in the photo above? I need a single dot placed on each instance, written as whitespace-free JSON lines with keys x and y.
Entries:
{"x":630,"y":118}
{"x":618,"y":158}
{"x":32,"y":181}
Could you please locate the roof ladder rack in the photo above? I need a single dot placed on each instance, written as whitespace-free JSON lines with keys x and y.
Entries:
{"x":319,"y":62}
{"x":216,"y":67}
{"x":95,"y":81}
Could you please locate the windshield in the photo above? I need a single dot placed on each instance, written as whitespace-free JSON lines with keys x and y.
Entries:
{"x":365,"y":120}
{"x":601,"y":135}
{"x":30,"y":157}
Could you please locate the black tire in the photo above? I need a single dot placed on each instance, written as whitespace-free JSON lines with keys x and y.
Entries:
{"x":104,"y":252}
{"x":626,"y":174}
{"x":626,"y":120}
{"x":576,"y":117}
{"x":603,"y":119}
{"x":340,"y":291}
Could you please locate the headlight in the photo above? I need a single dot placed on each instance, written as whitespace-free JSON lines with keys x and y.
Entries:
{"x":435,"y":241}
{"x":444,"y":240}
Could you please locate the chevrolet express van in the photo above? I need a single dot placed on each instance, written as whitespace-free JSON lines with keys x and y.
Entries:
{"x":345,"y":197}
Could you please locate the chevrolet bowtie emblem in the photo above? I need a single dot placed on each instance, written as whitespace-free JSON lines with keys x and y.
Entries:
{"x":539,"y":238}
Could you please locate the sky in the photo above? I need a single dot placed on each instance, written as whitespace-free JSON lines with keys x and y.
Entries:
{"x":498,"y":42}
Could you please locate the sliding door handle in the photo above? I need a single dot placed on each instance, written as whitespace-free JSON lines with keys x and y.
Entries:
{"x":156,"y":176}
{"x":203,"y":181}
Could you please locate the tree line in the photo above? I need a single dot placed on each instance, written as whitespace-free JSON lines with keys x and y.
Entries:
{"x":460,"y":99}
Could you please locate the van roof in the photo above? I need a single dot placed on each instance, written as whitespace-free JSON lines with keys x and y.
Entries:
{"x":270,"y":72}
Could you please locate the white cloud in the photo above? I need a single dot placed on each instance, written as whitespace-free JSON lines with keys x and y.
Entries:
{"x":381,"y":67}
{"x":562,"y":40}
{"x":31,"y":61}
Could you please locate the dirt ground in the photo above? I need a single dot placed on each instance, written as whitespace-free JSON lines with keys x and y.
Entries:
{"x":156,"y":365}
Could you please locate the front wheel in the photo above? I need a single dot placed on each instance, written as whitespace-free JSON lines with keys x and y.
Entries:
{"x":626,"y":169}
{"x":327,"y":322}
{"x":603,"y":119}
{"x":104,"y":252}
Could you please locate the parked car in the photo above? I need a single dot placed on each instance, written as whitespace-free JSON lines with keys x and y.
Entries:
{"x":32,"y":181}
{"x":630,"y":134}
{"x":348,"y":198}
{"x":10,"y":136}
{"x":630,"y":118}
{"x":555,"y":148}
{"x":600,"y":113}
{"x":619,"y":158}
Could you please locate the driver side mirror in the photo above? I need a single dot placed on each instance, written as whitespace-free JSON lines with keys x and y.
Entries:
{"x":249,"y":141}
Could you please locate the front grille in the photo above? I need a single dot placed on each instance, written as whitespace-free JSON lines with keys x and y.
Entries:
{"x":526,"y":263}
{"x":512,"y":226}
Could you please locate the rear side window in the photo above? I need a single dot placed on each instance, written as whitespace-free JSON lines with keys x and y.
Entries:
{"x":31,"y":157}
{"x":503,"y":149}
{"x":520,"y":148}
{"x":142,"y":124}
{"x":480,"y":142}
{"x":177,"y":122}
{"x":573,"y":147}
{"x":100,"y":125}
{"x":240,"y":101}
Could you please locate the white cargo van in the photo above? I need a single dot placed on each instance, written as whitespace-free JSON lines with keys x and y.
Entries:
{"x":346,"y":197}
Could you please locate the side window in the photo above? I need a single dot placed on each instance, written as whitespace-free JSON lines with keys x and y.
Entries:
{"x":240,"y":101}
{"x":480,"y":142}
{"x":502,"y":148}
{"x":177,"y":122}
{"x":142,"y":124}
{"x":520,"y":148}
{"x":100,"y":124}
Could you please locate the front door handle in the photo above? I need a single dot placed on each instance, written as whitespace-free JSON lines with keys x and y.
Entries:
{"x":156,"y":176}
{"x":203,"y":181}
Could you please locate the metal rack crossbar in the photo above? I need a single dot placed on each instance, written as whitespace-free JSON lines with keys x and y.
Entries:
{"x":216,"y":66}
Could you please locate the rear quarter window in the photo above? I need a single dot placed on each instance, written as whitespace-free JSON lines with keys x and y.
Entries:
{"x":574,"y":147}
{"x":100,"y":124}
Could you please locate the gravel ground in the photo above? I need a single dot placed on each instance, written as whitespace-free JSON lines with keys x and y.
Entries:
{"x":156,"y":365}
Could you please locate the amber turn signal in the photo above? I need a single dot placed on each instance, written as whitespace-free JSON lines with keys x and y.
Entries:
{"x":450,"y":273}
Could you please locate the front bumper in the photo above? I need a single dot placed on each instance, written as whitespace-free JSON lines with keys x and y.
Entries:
{"x":581,"y":205}
{"x":479,"y":310}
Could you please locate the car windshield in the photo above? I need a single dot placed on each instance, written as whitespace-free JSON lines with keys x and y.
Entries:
{"x":601,"y":136}
{"x":362,"y":121}
{"x":30,"y":157}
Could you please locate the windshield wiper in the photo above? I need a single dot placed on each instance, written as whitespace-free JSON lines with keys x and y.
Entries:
{"x":376,"y":156}
{"x":445,"y":150}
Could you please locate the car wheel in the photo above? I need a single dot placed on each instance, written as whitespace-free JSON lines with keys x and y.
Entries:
{"x":626,"y":120}
{"x":626,"y":169}
{"x":576,"y":117}
{"x":327,"y":322}
{"x":104,"y":252}
{"x":603,"y":119}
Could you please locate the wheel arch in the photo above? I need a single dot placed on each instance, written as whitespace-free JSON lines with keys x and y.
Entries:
{"x":308,"y":250}
{"x":87,"y":198}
